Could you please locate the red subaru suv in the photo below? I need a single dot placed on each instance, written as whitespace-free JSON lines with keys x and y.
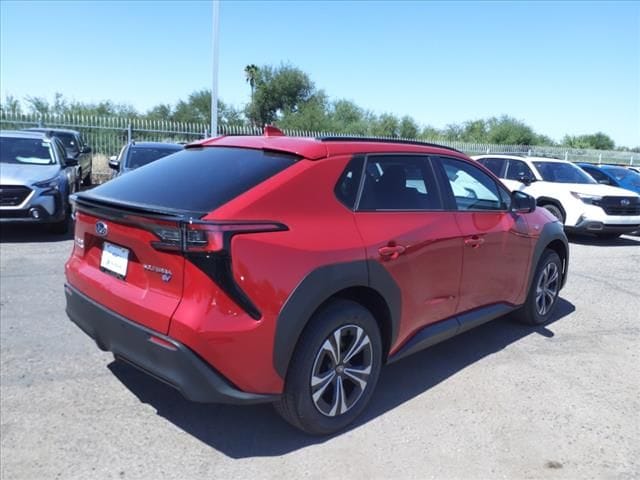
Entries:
{"x":289,"y":270}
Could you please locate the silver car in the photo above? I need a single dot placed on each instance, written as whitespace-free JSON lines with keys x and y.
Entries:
{"x":36,"y":179}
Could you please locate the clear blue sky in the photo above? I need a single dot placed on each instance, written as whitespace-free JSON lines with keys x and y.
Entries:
{"x":569,"y":67}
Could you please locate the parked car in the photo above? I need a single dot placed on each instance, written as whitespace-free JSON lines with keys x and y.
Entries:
{"x":75,"y":147}
{"x":137,"y":154}
{"x":289,"y":270}
{"x":569,"y":193}
{"x":613,"y":175}
{"x":36,"y":178}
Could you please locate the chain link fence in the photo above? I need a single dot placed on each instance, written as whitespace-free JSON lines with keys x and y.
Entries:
{"x":107,"y":135}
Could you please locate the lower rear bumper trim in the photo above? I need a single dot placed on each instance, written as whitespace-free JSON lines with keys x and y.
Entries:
{"x":173,"y":363}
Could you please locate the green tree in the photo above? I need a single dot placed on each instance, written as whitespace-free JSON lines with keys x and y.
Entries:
{"x":347,"y":117}
{"x":408,"y":127}
{"x":509,"y":131}
{"x":10,"y":105}
{"x":278,"y":90}
{"x":251,"y":75}
{"x":309,"y":115}
{"x":386,"y":125}
{"x":597,"y":141}
{"x":39,"y":105}
{"x":431,"y":133}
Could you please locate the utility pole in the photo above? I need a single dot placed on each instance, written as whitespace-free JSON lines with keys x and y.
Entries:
{"x":216,"y":54}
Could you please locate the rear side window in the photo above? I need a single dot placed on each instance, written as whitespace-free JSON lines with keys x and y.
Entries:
{"x":349,"y":182}
{"x":495,"y":165}
{"x":196,"y":180}
{"x":517,"y":170}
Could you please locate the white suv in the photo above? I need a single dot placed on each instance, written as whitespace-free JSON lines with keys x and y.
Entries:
{"x":565,"y":190}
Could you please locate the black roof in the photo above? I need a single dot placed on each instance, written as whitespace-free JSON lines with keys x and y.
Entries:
{"x":384,"y":140}
{"x":52,"y":130}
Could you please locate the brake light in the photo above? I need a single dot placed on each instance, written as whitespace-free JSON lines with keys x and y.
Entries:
{"x":206,"y":236}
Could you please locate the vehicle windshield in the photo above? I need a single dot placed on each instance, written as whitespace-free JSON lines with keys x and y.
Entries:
{"x":26,"y":151}
{"x":139,"y":156}
{"x":561,"y":172}
{"x":622,"y":175}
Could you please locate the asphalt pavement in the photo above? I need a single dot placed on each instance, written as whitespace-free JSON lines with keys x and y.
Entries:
{"x":501,"y":401}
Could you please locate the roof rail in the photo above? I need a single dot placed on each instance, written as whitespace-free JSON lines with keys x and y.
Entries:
{"x":384,"y":140}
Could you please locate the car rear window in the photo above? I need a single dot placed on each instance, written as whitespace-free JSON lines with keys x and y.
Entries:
{"x":139,"y":156}
{"x":194,"y":180}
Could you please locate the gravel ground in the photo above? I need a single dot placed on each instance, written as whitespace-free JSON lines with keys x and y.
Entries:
{"x":500,"y":401}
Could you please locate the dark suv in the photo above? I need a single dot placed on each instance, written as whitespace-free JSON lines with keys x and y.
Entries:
{"x":75,"y":147}
{"x":138,"y":154}
{"x":289,"y":270}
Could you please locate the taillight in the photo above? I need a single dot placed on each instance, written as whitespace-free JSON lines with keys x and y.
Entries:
{"x":207,"y":245}
{"x":191,"y":237}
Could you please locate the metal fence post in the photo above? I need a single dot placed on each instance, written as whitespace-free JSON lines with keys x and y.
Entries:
{"x":566,"y":155}
{"x":129,"y":133}
{"x":599,"y":159}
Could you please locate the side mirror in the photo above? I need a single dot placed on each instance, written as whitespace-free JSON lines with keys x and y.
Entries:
{"x":71,"y":161}
{"x":114,"y":164}
{"x":522,"y":202}
{"x":526,"y":179}
{"x":85,"y":150}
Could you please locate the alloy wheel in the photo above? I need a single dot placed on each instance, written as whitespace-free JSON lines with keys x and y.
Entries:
{"x":547,"y":288}
{"x":341,"y":370}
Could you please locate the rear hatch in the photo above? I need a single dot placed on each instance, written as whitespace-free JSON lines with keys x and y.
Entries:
{"x":132,"y":232}
{"x":115,"y":263}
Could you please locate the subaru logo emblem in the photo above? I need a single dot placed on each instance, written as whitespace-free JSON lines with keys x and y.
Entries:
{"x":102,"y":229}
{"x":624,"y":202}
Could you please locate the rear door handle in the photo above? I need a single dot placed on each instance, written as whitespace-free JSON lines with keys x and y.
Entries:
{"x":474,"y":242}
{"x":391,"y":251}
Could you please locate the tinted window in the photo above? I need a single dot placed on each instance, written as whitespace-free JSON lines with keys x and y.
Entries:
{"x":561,"y":172}
{"x":494,"y":164}
{"x":349,"y":182}
{"x":399,"y":183}
{"x":194,"y":179}
{"x":139,"y":156}
{"x":597,"y":174}
{"x":68,"y":140}
{"x":32,"y":151}
{"x":62,"y":154}
{"x":517,"y":170}
{"x":621,"y":174}
{"x":472,"y":188}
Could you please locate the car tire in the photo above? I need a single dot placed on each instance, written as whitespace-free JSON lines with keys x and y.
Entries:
{"x":543,"y":292}
{"x":554,"y":210}
{"x":61,"y":227}
{"x":87,"y":181}
{"x":323,"y":393}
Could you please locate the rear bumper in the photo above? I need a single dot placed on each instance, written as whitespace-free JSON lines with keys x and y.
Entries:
{"x":155,"y":354}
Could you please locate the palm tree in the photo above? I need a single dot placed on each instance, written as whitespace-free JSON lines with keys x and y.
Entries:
{"x":251,"y":74}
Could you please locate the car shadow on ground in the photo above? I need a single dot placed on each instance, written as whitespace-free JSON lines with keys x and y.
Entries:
{"x":624,"y":241}
{"x":16,"y":233}
{"x":254,"y":431}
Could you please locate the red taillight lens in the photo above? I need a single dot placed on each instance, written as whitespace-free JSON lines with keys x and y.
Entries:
{"x":206,"y":236}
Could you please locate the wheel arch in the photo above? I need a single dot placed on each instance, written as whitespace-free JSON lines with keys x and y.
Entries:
{"x":365,"y":282}
{"x":552,"y":238}
{"x":542,"y":201}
